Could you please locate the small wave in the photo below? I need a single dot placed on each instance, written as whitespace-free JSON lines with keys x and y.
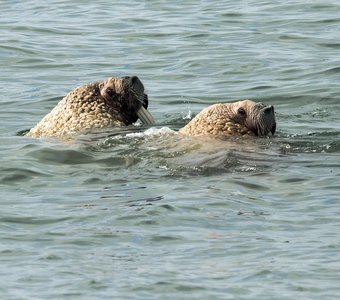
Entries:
{"x":330,"y":45}
{"x":16,"y":175}
{"x":330,"y":71}
{"x":313,"y":142}
{"x":61,"y":156}
{"x":152,"y":132}
{"x":130,"y":140}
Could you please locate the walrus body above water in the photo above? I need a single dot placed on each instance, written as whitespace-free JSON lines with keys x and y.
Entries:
{"x":112,"y":102}
{"x":121,"y":101}
{"x":239,"y":118}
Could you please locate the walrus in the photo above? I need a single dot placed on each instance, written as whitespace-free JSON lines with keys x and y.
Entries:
{"x":111,"y":102}
{"x":229,"y":119}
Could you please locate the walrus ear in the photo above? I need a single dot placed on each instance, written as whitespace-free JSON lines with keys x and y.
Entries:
{"x":145,"y":101}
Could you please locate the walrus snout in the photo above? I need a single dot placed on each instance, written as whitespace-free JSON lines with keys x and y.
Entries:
{"x":264,"y":119}
{"x":133,"y":81}
{"x":138,"y":100}
{"x":137,"y":87}
{"x":269,"y":110}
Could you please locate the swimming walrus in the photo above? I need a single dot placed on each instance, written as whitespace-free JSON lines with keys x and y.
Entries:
{"x":240,"y":118}
{"x":112,"y":102}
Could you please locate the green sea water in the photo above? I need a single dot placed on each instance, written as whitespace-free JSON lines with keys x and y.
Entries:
{"x":141,"y":212}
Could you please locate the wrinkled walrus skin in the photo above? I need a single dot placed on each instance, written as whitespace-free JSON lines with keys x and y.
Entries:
{"x":112,"y":102}
{"x":240,"y":118}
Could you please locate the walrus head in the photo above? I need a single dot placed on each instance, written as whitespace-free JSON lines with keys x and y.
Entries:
{"x":240,"y":118}
{"x":257,"y":117}
{"x":127,"y":96}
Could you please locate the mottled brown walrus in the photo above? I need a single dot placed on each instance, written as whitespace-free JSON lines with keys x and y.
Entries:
{"x":240,"y":118}
{"x":112,"y":102}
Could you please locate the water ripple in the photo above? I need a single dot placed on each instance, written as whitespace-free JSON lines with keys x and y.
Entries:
{"x":143,"y":213}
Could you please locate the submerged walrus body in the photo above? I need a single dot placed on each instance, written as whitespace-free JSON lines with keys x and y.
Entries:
{"x":112,"y":102}
{"x":240,"y":118}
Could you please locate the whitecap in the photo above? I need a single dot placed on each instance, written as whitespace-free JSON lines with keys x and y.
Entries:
{"x":152,"y":132}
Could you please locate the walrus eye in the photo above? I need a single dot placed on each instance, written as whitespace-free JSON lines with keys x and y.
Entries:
{"x":110,"y":92}
{"x":241,"y":111}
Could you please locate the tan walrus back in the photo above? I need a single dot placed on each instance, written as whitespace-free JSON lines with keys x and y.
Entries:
{"x":78,"y":110}
{"x":214,"y":120}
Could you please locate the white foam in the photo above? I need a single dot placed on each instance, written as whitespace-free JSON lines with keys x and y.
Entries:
{"x":152,"y":132}
{"x":188,"y":116}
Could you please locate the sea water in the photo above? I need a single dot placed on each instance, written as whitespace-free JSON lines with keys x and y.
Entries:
{"x":142,"y":212}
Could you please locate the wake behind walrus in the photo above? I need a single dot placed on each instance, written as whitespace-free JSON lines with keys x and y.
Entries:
{"x":240,"y":118}
{"x":112,"y":102}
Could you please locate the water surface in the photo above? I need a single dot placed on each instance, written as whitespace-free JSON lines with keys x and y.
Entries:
{"x":142,"y":213}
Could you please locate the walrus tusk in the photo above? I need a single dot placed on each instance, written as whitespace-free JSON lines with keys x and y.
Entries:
{"x":145,"y":116}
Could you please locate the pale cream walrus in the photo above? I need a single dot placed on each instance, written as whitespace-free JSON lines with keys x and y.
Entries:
{"x":240,"y":118}
{"x":112,"y":102}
